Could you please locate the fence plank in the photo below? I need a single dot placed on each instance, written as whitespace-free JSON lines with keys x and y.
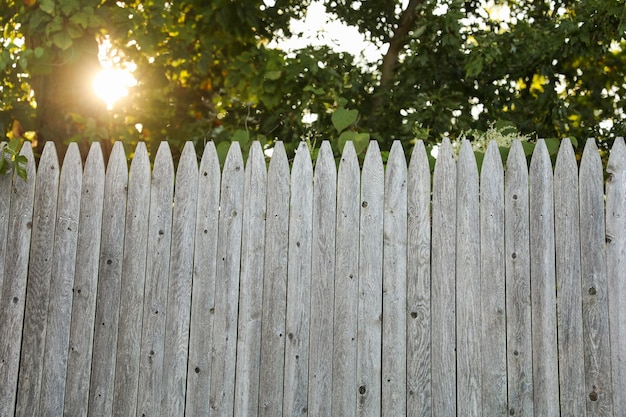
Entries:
{"x":275,"y":285}
{"x":616,"y":267}
{"x":543,"y":284}
{"x":157,"y":277}
{"x":594,"y":285}
{"x":369,"y":341}
{"x":85,"y":285}
{"x":251,"y":285}
{"x":5,"y":207}
{"x":298,"y":285}
{"x":133,"y":281}
{"x":394,"y":284}
{"x":418,"y":285}
{"x":443,"y":335}
{"x":468,"y":313}
{"x":518,"y":307}
{"x":109,"y":285}
{"x":61,"y":284}
{"x":568,"y":278}
{"x":13,"y":290}
{"x":179,"y":288}
{"x":227,"y":285}
{"x":322,"y":284}
{"x":492,"y":287}
{"x":38,"y":285}
{"x":203,"y":287}
{"x":347,"y":284}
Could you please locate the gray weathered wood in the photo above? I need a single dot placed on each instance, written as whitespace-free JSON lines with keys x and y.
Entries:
{"x":346,"y":285}
{"x":322,"y":283}
{"x":13,"y":290}
{"x":616,"y":268}
{"x":227,"y":285}
{"x":568,"y":281}
{"x":492,"y":284}
{"x":297,"y":318}
{"x":102,"y":380}
{"x":38,"y":285}
{"x":150,"y":390}
{"x":251,"y":285}
{"x":85,"y":285}
{"x":203,"y":287}
{"x":274,"y":285}
{"x":132,"y":281}
{"x":370,"y":310}
{"x":5,"y":206}
{"x":443,"y":311}
{"x":394,"y":284}
{"x":543,"y":284}
{"x":518,"y":307}
{"x":179,"y":288}
{"x":594,"y":284}
{"x":61,"y":284}
{"x":418,"y":285}
{"x":468,"y":306}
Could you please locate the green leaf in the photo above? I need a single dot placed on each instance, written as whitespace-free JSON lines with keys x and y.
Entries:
{"x":342,"y":118}
{"x":47,"y":6}
{"x":317,"y":91}
{"x":273,"y":75}
{"x":242,"y":137}
{"x":62,"y":40}
{"x":39,"y":52}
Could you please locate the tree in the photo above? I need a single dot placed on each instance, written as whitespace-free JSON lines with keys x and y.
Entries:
{"x":204,"y":71}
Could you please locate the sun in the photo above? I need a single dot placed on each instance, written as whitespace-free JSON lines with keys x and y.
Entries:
{"x":112,"y":84}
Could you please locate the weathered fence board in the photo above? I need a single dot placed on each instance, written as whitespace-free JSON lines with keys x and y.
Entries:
{"x":443,"y":295}
{"x":345,"y":317}
{"x":322,"y":284}
{"x":492,"y":285}
{"x":568,"y":281}
{"x":594,"y":284}
{"x":13,"y":290}
{"x":468,"y":308}
{"x":251,"y":285}
{"x":38,"y":286}
{"x":543,"y":284}
{"x":616,"y":268}
{"x":418,"y":285}
{"x":369,"y":321}
{"x":260,"y":291}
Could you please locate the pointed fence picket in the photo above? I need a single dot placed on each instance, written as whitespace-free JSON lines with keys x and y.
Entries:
{"x":256,"y":290}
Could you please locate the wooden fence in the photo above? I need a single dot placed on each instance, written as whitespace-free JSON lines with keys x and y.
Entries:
{"x":273,"y":291}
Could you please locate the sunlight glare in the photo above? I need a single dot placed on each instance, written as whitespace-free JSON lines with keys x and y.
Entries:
{"x":112,"y":84}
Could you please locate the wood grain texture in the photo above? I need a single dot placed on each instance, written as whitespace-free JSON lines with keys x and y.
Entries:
{"x":133,"y":281}
{"x":13,"y":290}
{"x":518,"y":302}
{"x":568,"y":281}
{"x":394,"y":284}
{"x":443,"y":296}
{"x":61,"y":284}
{"x":322,"y":283}
{"x":180,"y":282}
{"x":492,"y":284}
{"x":227,"y":285}
{"x":5,"y":208}
{"x":418,"y":329}
{"x":297,"y":321}
{"x":370,"y":310}
{"x":102,"y":380}
{"x":468,"y":306}
{"x":594,"y":284}
{"x":251,"y":284}
{"x":38,"y":285}
{"x":543,"y":284}
{"x":150,"y":390}
{"x":346,"y":285}
{"x":273,"y":334}
{"x":203,"y":287}
{"x":616,"y":268}
{"x":85,"y":285}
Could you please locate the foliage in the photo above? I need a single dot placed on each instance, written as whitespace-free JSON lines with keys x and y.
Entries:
{"x":205,"y":71}
{"x":11,"y":160}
